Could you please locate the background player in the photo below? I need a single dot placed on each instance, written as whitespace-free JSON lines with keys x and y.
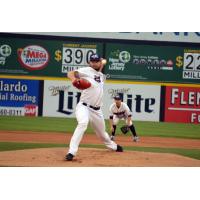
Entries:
{"x":89,"y":107}
{"x":120,"y":110}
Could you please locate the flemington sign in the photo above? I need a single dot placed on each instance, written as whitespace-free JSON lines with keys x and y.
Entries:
{"x":182,"y":104}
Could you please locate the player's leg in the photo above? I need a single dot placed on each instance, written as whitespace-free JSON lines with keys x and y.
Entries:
{"x":82,"y":116}
{"x":133,"y":131}
{"x":115,"y":122}
{"x":98,"y":124}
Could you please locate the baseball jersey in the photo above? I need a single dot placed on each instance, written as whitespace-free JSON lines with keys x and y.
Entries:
{"x":122,"y":112}
{"x":93,"y":95}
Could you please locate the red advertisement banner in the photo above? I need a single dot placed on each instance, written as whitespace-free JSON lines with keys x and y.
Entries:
{"x":182,"y":104}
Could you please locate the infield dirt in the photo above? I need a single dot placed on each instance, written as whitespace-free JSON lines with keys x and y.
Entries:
{"x":91,"y":157}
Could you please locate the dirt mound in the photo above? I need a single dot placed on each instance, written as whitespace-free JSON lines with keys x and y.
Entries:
{"x":87,"y":157}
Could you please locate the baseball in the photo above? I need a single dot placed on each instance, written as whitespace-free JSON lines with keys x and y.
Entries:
{"x":104,"y":61}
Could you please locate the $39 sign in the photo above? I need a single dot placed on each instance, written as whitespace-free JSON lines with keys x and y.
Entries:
{"x":74,"y":58}
{"x":77,"y":56}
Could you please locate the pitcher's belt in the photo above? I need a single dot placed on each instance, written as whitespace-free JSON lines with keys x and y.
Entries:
{"x":94,"y":108}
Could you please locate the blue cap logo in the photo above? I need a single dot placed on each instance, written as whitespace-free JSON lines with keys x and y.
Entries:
{"x":95,"y":57}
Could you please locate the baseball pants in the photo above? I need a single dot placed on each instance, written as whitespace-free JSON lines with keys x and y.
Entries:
{"x":84,"y":115}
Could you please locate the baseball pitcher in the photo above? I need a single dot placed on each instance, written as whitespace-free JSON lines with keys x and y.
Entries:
{"x":90,"y":80}
{"x":120,"y":111}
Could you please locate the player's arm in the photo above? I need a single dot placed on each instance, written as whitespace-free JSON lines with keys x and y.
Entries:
{"x":102,"y":64}
{"x":129,"y":120}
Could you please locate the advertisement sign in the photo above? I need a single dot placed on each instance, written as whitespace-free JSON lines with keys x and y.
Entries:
{"x":5,"y":52}
{"x":152,"y":63}
{"x":33,"y":57}
{"x":51,"y":58}
{"x":75,"y":56}
{"x":182,"y":104}
{"x":152,"y":36}
{"x":19,"y":97}
{"x":143,"y":100}
{"x":61,"y":98}
{"x":191,"y":64}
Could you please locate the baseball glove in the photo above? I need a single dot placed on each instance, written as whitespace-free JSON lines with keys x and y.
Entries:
{"x":124,"y":129}
{"x":81,"y":84}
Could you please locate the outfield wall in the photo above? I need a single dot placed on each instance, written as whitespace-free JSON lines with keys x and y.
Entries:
{"x":58,"y":98}
{"x":133,"y":60}
{"x":61,"y":98}
{"x":159,"y":80}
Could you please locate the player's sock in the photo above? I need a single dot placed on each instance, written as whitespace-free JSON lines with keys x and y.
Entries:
{"x":132,"y":128}
{"x":114,"y":127}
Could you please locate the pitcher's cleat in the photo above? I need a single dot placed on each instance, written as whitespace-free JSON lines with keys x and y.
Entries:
{"x":112,"y":137}
{"x":69,"y":157}
{"x":119,"y":148}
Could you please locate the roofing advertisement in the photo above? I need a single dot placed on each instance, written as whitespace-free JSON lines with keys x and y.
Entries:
{"x":19,"y":97}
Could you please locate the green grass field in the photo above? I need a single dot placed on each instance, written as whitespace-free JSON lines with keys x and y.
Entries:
{"x":53,"y":124}
{"x":66,"y":125}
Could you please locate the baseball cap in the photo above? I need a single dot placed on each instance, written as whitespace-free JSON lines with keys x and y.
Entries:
{"x":117,"y":97}
{"x":95,"y":57}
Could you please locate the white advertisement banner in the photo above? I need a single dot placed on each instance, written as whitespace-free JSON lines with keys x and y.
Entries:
{"x":61,"y":98}
{"x":193,"y":37}
{"x":143,"y":100}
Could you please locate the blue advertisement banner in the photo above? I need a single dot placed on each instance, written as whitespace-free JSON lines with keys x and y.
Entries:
{"x":19,"y":97}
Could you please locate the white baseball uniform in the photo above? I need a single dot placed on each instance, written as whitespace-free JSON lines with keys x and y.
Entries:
{"x":123,"y":112}
{"x":89,"y":110}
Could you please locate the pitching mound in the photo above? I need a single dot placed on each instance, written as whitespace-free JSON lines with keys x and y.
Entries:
{"x":54,"y":157}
